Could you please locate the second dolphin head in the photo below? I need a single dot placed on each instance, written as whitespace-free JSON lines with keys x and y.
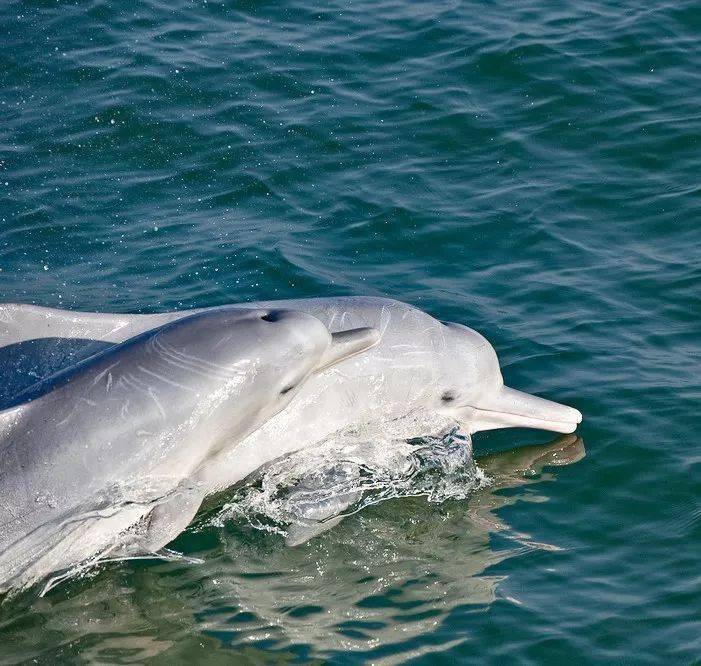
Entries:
{"x":473,"y":390}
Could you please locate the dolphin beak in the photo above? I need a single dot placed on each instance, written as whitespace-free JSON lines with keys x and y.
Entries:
{"x":345,"y":344}
{"x":509,"y":408}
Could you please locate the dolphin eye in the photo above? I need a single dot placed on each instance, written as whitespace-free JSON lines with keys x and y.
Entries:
{"x":448,"y":396}
{"x":287,"y":389}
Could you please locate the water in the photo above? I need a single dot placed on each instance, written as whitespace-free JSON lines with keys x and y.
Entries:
{"x":308,"y":492}
{"x":530,"y":170}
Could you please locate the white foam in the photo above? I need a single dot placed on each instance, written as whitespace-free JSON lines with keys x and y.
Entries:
{"x":313,"y":488}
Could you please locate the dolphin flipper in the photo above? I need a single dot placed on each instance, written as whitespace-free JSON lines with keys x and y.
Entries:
{"x":170,"y":518}
{"x":299,"y":533}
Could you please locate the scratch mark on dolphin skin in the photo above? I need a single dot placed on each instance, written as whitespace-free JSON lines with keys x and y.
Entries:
{"x":158,"y":404}
{"x":222,"y":342}
{"x":100,"y":375}
{"x":132,"y":382}
{"x":385,"y":316}
{"x":163,"y":379}
{"x":191,"y":363}
{"x":67,"y":418}
{"x":7,"y":509}
{"x":125,"y":408}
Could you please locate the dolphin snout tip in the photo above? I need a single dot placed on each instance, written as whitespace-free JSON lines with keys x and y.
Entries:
{"x":562,"y":418}
{"x":573,"y":414}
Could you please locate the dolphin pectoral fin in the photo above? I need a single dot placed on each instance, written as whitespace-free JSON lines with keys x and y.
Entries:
{"x":345,"y":344}
{"x":170,"y":518}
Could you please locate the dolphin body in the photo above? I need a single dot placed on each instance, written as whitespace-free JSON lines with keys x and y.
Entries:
{"x":421,"y":373}
{"x":106,"y":456}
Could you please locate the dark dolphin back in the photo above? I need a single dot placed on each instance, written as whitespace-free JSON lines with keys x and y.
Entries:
{"x":24,"y":364}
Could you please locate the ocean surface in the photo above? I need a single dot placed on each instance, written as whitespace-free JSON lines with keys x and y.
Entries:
{"x":529,"y":169}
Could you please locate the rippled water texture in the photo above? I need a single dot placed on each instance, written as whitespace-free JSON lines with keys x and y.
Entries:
{"x":529,"y":169}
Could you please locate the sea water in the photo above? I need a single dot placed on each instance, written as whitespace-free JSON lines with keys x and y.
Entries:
{"x":528,"y":169}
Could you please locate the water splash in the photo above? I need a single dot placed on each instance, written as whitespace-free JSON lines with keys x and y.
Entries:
{"x":310,"y":491}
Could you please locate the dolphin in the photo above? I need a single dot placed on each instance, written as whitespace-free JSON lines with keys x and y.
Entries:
{"x":105,"y":457}
{"x":421,"y":371}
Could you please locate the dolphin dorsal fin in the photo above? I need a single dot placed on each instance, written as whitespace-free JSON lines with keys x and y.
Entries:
{"x":345,"y":344}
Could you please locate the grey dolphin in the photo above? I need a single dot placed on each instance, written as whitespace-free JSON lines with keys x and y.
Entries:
{"x":106,"y":455}
{"x":421,"y":366}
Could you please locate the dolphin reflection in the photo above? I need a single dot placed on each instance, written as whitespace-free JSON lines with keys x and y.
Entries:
{"x":403,"y":565}
{"x":310,"y":511}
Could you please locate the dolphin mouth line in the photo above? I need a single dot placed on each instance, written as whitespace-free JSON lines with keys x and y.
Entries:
{"x":526,"y":420}
{"x":510,"y":408}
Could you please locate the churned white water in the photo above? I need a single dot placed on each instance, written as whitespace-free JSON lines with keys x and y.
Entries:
{"x":309,"y":491}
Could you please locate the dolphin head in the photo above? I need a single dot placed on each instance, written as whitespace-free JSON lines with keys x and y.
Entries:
{"x":301,"y":346}
{"x":247,"y":364}
{"x":473,"y":390}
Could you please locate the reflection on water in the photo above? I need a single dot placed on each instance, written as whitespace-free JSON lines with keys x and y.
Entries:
{"x":375,"y":583}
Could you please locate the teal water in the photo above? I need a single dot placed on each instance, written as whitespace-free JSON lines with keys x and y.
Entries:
{"x":529,"y":169}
